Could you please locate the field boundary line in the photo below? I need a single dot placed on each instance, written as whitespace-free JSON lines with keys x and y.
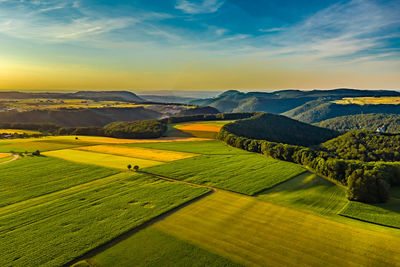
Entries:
{"x":125,"y":235}
{"x":25,"y":204}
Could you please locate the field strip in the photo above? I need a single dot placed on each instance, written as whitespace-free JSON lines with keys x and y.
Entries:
{"x":48,"y":197}
{"x":15,"y":157}
{"x":257,"y":233}
{"x":100,"y":159}
{"x":139,"y":152}
{"x":5,"y":155}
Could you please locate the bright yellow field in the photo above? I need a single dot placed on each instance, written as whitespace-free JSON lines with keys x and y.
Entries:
{"x":369,"y":100}
{"x":110,"y":140}
{"x":105,"y":160}
{"x":12,"y":131}
{"x":4,"y":155}
{"x":138,"y":152}
{"x":256,"y":233}
{"x":213,"y":126}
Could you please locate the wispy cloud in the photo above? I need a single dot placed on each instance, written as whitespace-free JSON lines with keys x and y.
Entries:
{"x":206,"y":6}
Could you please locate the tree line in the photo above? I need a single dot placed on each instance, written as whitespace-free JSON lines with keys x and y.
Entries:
{"x":365,"y":181}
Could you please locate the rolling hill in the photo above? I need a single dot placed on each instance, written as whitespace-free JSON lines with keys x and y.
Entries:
{"x":279,"y":101}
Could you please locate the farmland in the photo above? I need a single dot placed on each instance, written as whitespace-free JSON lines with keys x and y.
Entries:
{"x":16,"y":131}
{"x":369,"y":100}
{"x":100,"y":159}
{"x":253,"y":232}
{"x":243,"y":173}
{"x":202,"y":129}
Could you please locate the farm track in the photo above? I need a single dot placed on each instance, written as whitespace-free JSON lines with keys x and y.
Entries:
{"x":15,"y":157}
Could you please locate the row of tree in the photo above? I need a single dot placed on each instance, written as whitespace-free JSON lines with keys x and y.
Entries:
{"x":365,"y":181}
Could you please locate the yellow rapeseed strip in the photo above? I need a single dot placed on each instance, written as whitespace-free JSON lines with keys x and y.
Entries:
{"x":138,"y":152}
{"x":200,"y":127}
{"x":257,"y":233}
{"x":4,"y":155}
{"x":110,"y":140}
{"x":100,"y":159}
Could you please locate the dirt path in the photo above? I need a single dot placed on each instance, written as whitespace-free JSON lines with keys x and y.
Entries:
{"x":15,"y":157}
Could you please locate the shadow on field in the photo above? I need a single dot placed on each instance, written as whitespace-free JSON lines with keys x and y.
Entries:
{"x":132,"y":231}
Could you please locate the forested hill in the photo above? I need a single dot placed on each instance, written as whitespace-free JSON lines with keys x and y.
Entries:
{"x":318,"y":111}
{"x":92,"y":95}
{"x":365,"y":146}
{"x":363,"y":121}
{"x":277,"y":128}
{"x":279,"y":101}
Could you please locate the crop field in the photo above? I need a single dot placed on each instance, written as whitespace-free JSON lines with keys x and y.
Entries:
{"x":198,"y":147}
{"x":387,"y":214}
{"x":35,"y":176}
{"x":253,"y":232}
{"x":307,"y":191}
{"x":151,"y":247}
{"x":203,"y":129}
{"x":243,"y":173}
{"x":4,"y":155}
{"x":139,"y":152}
{"x":31,"y":146}
{"x":16,"y":131}
{"x":369,"y":100}
{"x":55,"y":232}
{"x":100,"y":159}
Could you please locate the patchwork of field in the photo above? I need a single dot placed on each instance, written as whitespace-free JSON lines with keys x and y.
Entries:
{"x":138,"y":152}
{"x":31,"y":146}
{"x":256,"y":233}
{"x":35,"y":176}
{"x":57,"y":231}
{"x":369,"y":100}
{"x":100,"y":159}
{"x":243,"y":173}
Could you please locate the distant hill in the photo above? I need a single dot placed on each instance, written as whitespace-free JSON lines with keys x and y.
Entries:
{"x":321,"y":110}
{"x":279,"y":101}
{"x":80,"y":117}
{"x":167,"y":99}
{"x":280,"y":129}
{"x":363,"y":121}
{"x":198,"y":111}
{"x":92,"y":95}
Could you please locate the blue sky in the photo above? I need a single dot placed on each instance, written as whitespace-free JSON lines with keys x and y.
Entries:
{"x":199,"y":44}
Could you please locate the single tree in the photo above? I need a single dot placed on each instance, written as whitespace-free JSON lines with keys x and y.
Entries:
{"x":136,"y":168}
{"x":129,"y":166}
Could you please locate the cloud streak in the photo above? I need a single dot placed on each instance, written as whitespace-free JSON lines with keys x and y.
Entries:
{"x":206,"y":6}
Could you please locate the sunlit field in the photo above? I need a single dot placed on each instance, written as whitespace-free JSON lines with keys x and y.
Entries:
{"x":16,"y":131}
{"x":369,"y":100}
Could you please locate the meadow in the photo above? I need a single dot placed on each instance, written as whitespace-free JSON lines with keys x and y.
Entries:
{"x":16,"y":131}
{"x":55,"y":232}
{"x":253,"y":233}
{"x":100,"y":159}
{"x":243,"y":173}
{"x":151,"y":247}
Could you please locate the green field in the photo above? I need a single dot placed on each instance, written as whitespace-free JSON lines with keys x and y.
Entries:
{"x":243,"y":173}
{"x":35,"y":176}
{"x":151,"y":247}
{"x":387,"y":214}
{"x":60,"y":230}
{"x":100,"y":159}
{"x":198,"y":147}
{"x":31,"y":146}
{"x":307,"y":191}
{"x":257,"y":233}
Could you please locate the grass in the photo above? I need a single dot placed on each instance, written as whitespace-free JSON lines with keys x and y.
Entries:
{"x":35,"y":176}
{"x":16,"y":131}
{"x":60,"y":230}
{"x":243,"y":173}
{"x":199,"y":147}
{"x":151,"y":247}
{"x":387,"y":214}
{"x":31,"y":146}
{"x":100,"y":159}
{"x":257,"y":233}
{"x":308,"y":191}
{"x":4,"y":159}
{"x":139,"y":152}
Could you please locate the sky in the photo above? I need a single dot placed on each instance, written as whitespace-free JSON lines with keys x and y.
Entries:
{"x":141,"y":45}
